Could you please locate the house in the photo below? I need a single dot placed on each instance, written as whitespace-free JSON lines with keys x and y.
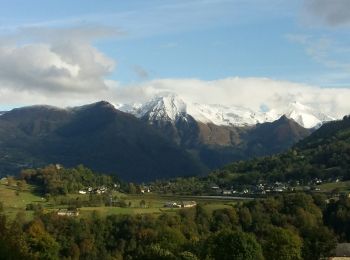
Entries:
{"x":4,"y":181}
{"x":226,"y":192}
{"x":145,"y":190}
{"x":188,"y":204}
{"x":171,"y":204}
{"x":100,"y":190}
{"x":69,"y":213}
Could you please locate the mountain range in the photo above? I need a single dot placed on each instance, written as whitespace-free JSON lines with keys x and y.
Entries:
{"x":165,"y":137}
{"x":171,"y":107}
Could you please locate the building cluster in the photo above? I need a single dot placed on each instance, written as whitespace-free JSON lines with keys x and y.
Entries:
{"x":90,"y":190}
{"x":274,"y":187}
{"x":182,"y":204}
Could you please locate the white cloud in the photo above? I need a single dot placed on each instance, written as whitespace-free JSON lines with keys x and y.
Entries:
{"x":54,"y":61}
{"x":248,"y":92}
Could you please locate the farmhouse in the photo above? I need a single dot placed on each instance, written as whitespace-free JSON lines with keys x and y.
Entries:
{"x":171,"y":204}
{"x":188,"y":204}
{"x":226,"y":192}
{"x":69,"y":213}
{"x":145,"y":190}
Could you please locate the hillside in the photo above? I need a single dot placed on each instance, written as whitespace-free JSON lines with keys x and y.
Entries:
{"x":218,"y":135}
{"x":216,"y":145}
{"x":325,"y":154}
{"x":97,"y":135}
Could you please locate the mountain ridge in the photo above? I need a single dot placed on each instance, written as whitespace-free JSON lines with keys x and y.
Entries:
{"x":108,"y":140}
{"x":169,"y":107}
{"x":97,"y":135}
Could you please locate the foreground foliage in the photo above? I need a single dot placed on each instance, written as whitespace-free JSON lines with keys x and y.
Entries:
{"x":293,"y":226}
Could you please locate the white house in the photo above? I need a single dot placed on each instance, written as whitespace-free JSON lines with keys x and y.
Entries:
{"x":188,"y":204}
{"x":69,"y":213}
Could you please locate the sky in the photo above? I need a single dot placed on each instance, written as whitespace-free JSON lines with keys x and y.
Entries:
{"x":252,"y":53}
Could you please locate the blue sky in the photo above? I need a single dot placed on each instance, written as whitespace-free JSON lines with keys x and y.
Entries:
{"x":301,"y":41}
{"x":193,"y":39}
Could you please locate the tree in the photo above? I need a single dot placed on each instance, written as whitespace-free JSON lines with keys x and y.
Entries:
{"x":40,"y":242}
{"x":155,"y":251}
{"x":21,"y":185}
{"x":132,"y":188}
{"x":142,"y":203}
{"x":227,"y":245}
{"x":245,"y":218}
{"x":281,"y":244}
{"x":318,"y":242}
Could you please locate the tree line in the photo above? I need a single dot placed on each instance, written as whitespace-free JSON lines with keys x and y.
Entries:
{"x":289,"y":226}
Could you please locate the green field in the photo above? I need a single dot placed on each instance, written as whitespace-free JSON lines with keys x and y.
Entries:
{"x":154,"y":205}
{"x":343,"y":186}
{"x":15,"y":202}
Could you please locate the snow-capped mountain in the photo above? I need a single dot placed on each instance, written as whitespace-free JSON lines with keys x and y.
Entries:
{"x":160,"y":108}
{"x":224,"y":115}
{"x":171,"y":107}
{"x":303,"y":115}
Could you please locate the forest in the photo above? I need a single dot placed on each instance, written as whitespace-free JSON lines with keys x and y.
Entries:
{"x":289,"y":226}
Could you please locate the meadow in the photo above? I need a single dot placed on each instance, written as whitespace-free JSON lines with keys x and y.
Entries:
{"x":15,"y":202}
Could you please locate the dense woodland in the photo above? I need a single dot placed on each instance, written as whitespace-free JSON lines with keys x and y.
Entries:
{"x":56,"y":180}
{"x":293,"y":226}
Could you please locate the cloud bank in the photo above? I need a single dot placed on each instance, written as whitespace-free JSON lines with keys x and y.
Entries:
{"x":253,"y":93}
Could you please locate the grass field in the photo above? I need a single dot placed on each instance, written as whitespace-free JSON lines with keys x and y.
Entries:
{"x":343,"y":186}
{"x":15,"y":202}
{"x":155,"y":205}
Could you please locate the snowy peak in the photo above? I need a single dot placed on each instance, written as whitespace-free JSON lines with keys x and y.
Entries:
{"x":171,"y":107}
{"x":166,"y":108}
{"x":303,"y":115}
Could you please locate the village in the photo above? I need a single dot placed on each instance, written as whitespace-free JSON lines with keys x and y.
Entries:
{"x":315,"y":185}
